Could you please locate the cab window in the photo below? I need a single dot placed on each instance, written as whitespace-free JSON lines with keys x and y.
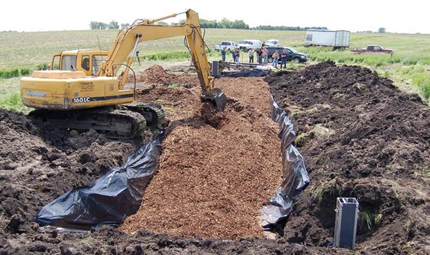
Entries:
{"x":85,"y":63}
{"x":97,"y":63}
{"x":68,"y":63}
{"x":56,"y":63}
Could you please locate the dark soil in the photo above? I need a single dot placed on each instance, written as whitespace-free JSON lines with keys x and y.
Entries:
{"x":360,"y":137}
{"x":39,"y":164}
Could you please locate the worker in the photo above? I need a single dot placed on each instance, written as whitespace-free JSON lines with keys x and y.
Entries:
{"x":236,"y":55}
{"x":284,"y":59}
{"x":251,"y":55}
{"x":86,"y":63}
{"x":259,"y":55}
{"x":275,"y":58}
{"x":265,"y":55}
{"x":223,"y":53}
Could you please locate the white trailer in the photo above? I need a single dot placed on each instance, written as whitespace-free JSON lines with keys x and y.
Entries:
{"x":335,"y":39}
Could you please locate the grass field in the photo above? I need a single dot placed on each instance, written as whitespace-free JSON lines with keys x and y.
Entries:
{"x":408,"y":67}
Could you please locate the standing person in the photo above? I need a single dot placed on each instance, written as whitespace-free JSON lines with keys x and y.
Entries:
{"x":284,"y":59}
{"x":251,"y":55}
{"x":223,"y":53}
{"x":236,"y":55}
{"x":275,"y":58}
{"x":265,"y":55}
{"x":259,"y":53}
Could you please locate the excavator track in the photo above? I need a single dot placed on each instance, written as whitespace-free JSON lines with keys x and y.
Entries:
{"x":119,"y":122}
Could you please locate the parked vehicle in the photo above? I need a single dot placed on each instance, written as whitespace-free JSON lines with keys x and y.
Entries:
{"x":229,"y":44}
{"x":372,"y":49}
{"x":272,"y":43}
{"x":292,"y":54}
{"x":336,"y":39}
{"x":249,"y":44}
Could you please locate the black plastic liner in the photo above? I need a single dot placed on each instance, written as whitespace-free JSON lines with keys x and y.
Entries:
{"x":247,"y":73}
{"x":295,"y":177}
{"x":108,"y":200}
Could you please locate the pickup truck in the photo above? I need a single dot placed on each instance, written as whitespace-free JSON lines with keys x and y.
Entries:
{"x":229,"y":44}
{"x":372,"y":49}
{"x":292,"y":54}
{"x":272,"y":43}
{"x":249,"y":44}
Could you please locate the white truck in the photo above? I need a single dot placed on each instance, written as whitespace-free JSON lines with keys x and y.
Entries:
{"x":336,"y":39}
{"x":272,"y":43}
{"x":249,"y":44}
{"x":228,"y":44}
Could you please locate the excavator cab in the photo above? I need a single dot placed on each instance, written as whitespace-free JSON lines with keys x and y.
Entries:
{"x":87,"y":61}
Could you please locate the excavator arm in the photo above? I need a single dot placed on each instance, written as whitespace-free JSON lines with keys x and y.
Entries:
{"x":125,"y":46}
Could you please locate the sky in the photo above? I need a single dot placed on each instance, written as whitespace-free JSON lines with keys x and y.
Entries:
{"x":396,"y":16}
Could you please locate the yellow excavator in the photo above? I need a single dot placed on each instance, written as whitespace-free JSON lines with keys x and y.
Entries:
{"x":81,"y":90}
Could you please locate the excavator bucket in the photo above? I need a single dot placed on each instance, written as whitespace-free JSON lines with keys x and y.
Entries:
{"x":217,"y":97}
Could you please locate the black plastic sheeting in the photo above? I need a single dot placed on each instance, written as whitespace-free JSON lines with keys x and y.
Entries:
{"x":109,"y":199}
{"x":295,"y":177}
{"x":246,"y":73}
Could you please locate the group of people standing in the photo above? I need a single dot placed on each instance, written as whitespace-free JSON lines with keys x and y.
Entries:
{"x":262,"y":56}
{"x":235,"y":54}
{"x":275,"y":59}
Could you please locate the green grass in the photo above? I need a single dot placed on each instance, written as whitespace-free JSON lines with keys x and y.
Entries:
{"x":408,"y":67}
{"x":12,"y":102}
{"x":7,"y":74}
{"x":369,"y":220}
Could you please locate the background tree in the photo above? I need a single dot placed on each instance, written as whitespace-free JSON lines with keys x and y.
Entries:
{"x":382,"y":30}
{"x":94,"y":25}
{"x":124,"y":25}
{"x":98,"y":25}
{"x":113,"y":24}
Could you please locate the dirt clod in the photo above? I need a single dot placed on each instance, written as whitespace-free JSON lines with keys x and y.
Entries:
{"x":212,"y":116}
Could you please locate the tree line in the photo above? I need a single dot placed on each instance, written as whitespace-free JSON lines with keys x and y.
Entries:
{"x":380,"y":30}
{"x":224,"y":23}
{"x":287,"y":28}
{"x":111,"y":25}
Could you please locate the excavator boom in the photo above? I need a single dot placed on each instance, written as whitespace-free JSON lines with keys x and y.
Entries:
{"x":125,"y":45}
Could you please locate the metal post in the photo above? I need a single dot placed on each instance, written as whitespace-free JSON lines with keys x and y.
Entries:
{"x":215,"y":69}
{"x":346,"y":222}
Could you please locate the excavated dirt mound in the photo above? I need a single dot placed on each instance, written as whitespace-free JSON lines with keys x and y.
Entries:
{"x":35,"y":159}
{"x":39,"y":164}
{"x":361,"y":137}
{"x":157,"y":75}
{"x":217,"y":169}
